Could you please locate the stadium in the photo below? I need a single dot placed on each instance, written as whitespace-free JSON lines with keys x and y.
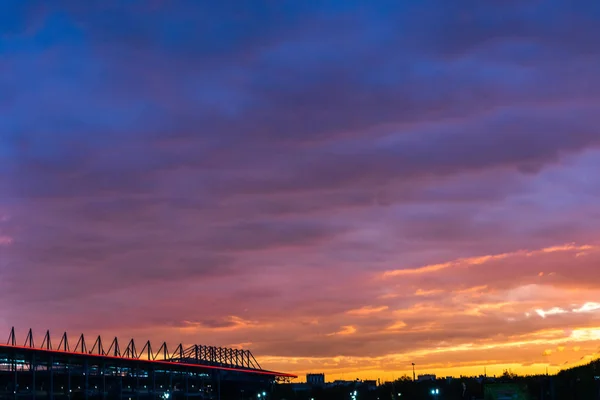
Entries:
{"x":108,"y":371}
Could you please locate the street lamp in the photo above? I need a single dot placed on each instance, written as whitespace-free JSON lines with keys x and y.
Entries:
{"x":414,"y":376}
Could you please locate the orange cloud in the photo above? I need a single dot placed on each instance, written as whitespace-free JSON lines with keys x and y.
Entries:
{"x":396,"y":326}
{"x":346,"y":330}
{"x":367,"y":310}
{"x":473,"y":261}
{"x":421,"y":292}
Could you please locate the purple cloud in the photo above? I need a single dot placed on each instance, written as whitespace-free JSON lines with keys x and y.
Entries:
{"x":271,"y":162}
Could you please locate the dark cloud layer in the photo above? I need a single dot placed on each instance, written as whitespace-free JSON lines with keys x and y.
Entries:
{"x":263,"y":164}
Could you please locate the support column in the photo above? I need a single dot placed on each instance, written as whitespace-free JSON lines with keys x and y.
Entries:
{"x":187,"y":385}
{"x":219,"y":384}
{"x":103,"y":373}
{"x":153,"y":383}
{"x":137,"y":383}
{"x":15,"y":377}
{"x":51,"y":368}
{"x":86,"y":373}
{"x":33,"y":368}
{"x":120,"y":383}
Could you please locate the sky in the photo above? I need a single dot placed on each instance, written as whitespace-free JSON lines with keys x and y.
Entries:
{"x":339,"y":186}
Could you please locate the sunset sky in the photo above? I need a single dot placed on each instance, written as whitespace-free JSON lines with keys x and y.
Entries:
{"x":342,"y":187}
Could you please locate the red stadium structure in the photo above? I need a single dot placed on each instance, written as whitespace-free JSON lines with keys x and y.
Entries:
{"x":28,"y":371}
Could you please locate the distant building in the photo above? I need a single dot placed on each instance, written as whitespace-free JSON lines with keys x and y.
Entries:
{"x":426,"y":377}
{"x":315,"y":379}
{"x":370,"y":384}
{"x":339,"y":382}
{"x":300,"y":387}
{"x":318,"y":380}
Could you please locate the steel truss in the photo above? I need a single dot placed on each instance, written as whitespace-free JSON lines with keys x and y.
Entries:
{"x":195,"y":354}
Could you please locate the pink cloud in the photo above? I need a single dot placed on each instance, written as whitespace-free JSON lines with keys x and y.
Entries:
{"x":341,"y":190}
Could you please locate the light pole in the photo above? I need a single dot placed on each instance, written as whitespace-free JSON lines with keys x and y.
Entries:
{"x":414,"y":376}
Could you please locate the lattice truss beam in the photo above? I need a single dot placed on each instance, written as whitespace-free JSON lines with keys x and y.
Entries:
{"x":195,"y":354}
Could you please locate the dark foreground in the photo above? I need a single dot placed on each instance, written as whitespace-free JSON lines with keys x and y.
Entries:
{"x":581,"y":383}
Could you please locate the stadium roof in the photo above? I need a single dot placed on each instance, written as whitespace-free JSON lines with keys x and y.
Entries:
{"x":194,"y":356}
